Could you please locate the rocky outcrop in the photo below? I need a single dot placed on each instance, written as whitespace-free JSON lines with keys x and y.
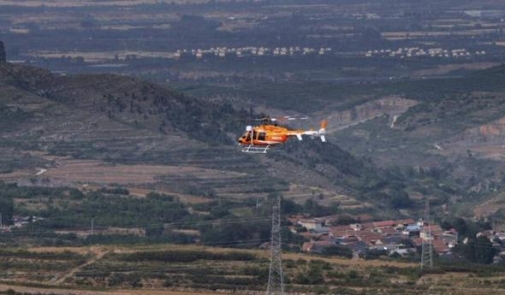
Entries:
{"x":3,"y":56}
{"x":390,"y":105}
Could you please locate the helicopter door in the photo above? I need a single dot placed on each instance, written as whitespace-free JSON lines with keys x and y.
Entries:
{"x":262,"y":136}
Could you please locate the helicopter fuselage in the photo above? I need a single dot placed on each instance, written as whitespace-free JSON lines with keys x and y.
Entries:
{"x":259,"y":139}
{"x":265,"y":135}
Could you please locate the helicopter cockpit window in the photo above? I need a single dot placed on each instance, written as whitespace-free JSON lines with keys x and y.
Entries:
{"x":246,"y":136}
{"x":255,"y":134}
{"x":261,"y":136}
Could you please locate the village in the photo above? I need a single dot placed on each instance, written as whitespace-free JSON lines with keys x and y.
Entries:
{"x":394,"y":238}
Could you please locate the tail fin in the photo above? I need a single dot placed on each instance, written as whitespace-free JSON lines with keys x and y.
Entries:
{"x":324,"y":123}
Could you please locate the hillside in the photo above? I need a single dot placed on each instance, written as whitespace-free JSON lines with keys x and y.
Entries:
{"x":398,"y":145}
{"x":455,"y":126}
{"x":97,"y":129}
{"x":449,"y":126}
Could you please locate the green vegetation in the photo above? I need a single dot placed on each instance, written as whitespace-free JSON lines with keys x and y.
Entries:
{"x":70,"y":208}
{"x":10,"y":117}
{"x":6,"y":209}
{"x":23,"y":254}
{"x":155,"y":218}
{"x":115,"y":211}
{"x":477,"y":250}
{"x":182,"y":256}
{"x":38,"y":266}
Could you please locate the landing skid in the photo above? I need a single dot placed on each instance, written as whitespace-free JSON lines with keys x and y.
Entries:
{"x":255,"y":149}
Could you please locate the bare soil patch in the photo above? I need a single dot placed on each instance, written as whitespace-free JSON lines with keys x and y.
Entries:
{"x":98,"y":172}
{"x":444,"y":69}
{"x":349,"y":262}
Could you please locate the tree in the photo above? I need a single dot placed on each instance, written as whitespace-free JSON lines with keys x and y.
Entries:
{"x":338,"y":251}
{"x":6,"y":209}
{"x":314,"y":209}
{"x":290,"y":207}
{"x":3,"y":57}
{"x":234,"y":234}
{"x":154,"y":231}
{"x":461,"y":226}
{"x":479,"y":250}
{"x":484,"y":251}
{"x":374,"y":254}
{"x":400,"y":199}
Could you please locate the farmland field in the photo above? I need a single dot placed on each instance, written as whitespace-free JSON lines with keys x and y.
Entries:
{"x":386,"y":275}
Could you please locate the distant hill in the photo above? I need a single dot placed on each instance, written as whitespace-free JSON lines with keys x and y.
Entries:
{"x":126,"y":121}
{"x":128,"y":101}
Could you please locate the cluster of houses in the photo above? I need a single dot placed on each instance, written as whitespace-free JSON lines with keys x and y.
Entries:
{"x":250,"y":51}
{"x":393,"y":236}
{"x":408,"y":52}
{"x":19,"y":222}
{"x":400,"y":237}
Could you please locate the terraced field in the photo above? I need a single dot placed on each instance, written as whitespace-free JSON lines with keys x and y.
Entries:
{"x":22,"y":265}
{"x":179,"y":270}
{"x":186,"y":173}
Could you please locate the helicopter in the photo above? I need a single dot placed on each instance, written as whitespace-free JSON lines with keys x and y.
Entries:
{"x":259,"y":139}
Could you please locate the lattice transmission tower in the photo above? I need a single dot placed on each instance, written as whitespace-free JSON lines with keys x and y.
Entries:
{"x":275,"y":275}
{"x":427,"y":248}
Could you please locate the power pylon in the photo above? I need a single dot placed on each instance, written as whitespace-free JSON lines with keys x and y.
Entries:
{"x":275,"y":275}
{"x":427,"y":248}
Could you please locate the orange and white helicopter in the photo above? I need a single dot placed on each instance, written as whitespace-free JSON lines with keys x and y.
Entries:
{"x":258,"y":139}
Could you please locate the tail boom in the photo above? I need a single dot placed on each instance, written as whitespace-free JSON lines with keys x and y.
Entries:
{"x":321,"y":133}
